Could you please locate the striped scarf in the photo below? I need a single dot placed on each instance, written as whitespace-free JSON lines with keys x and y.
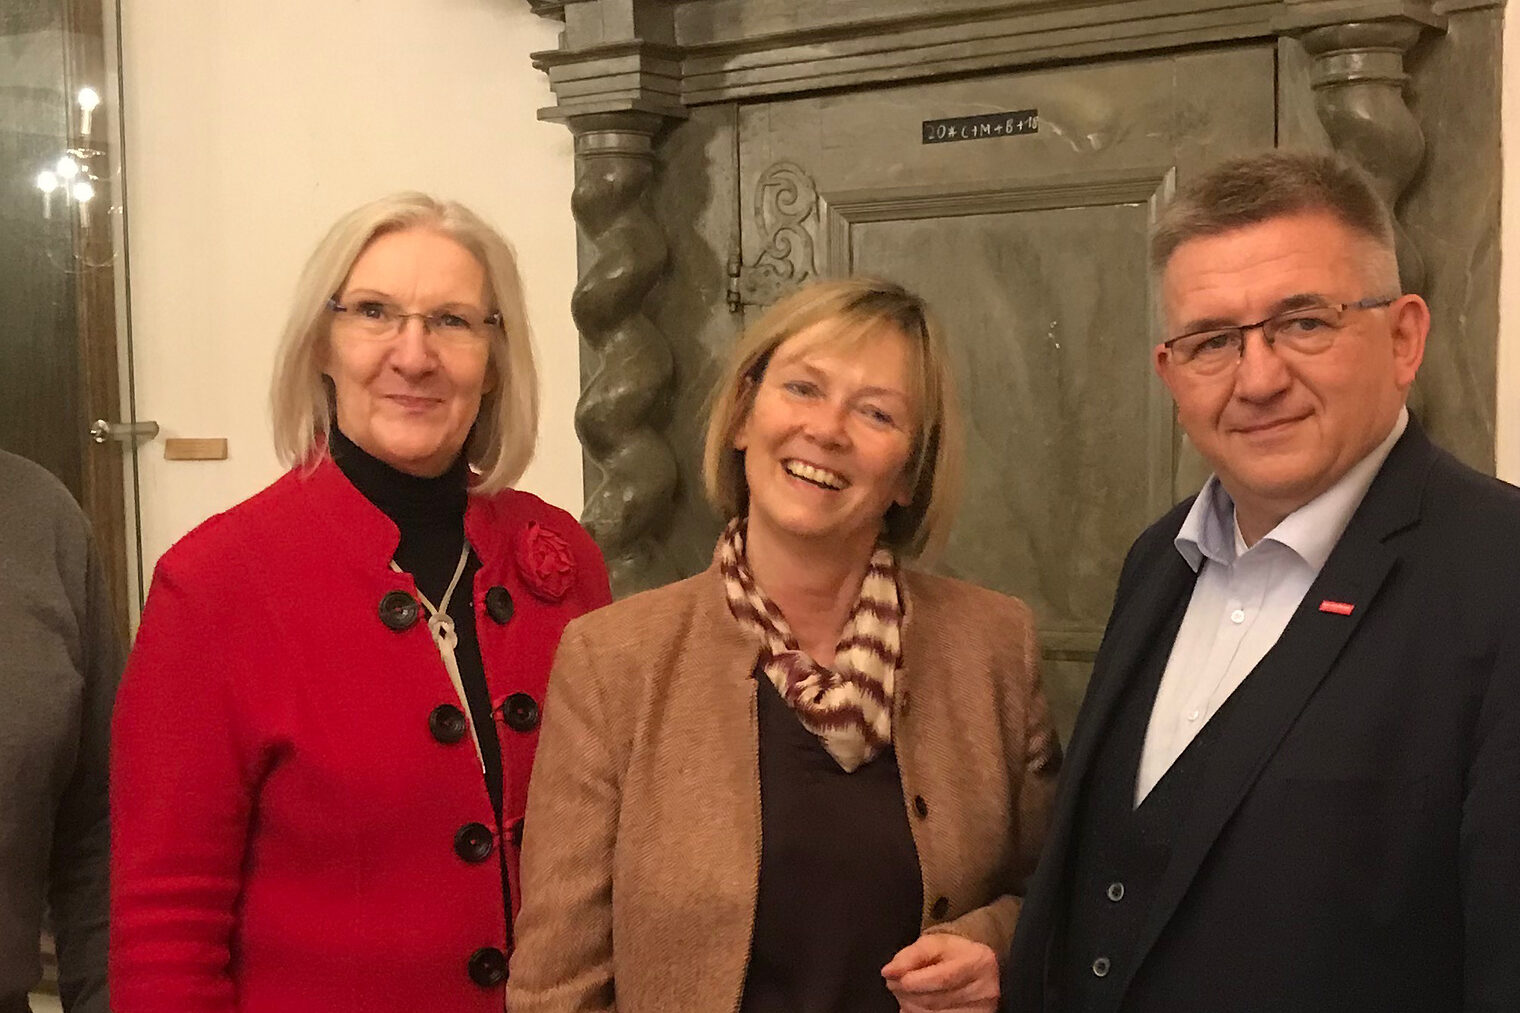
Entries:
{"x":848,"y":706}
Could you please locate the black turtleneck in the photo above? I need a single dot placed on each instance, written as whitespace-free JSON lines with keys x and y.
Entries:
{"x":430,"y":515}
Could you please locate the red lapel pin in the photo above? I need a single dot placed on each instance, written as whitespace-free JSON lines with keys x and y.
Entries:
{"x":1340,"y":608}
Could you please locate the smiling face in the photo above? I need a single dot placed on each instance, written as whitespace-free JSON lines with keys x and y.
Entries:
{"x":1281,"y":428}
{"x":828,"y":439}
{"x":410,"y":399}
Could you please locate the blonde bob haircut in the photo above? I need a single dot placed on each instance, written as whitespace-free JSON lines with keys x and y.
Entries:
{"x":858,"y":309}
{"x":501,"y":442}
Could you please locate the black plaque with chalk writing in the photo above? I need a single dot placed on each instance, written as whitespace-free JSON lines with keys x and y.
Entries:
{"x":978,"y":128}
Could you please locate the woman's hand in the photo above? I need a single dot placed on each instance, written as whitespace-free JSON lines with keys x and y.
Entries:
{"x":944,"y":973}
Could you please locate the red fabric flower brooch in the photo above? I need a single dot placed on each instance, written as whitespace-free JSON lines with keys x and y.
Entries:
{"x":545,"y":562}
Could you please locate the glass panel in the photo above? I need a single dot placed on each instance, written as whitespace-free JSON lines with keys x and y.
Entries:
{"x":65,"y":351}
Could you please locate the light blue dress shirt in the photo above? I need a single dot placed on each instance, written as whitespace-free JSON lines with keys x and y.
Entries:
{"x":1242,"y":601}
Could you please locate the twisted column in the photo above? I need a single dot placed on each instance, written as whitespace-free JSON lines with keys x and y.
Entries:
{"x":1358,"y":79}
{"x":625,"y":401}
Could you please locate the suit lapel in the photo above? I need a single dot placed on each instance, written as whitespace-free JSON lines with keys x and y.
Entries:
{"x":1141,"y":616}
{"x":1279,"y":688}
{"x":1129,"y":642}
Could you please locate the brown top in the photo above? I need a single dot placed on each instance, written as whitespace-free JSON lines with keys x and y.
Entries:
{"x":839,"y":889}
{"x":641,"y":853}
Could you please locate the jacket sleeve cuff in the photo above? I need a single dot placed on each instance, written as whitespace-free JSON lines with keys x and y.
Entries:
{"x":991,"y":924}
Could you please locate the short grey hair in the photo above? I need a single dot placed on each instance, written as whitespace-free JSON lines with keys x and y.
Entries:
{"x":1274,"y":184}
{"x":502,"y":441}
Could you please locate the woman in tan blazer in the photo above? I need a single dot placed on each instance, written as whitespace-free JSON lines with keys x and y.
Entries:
{"x":808,"y":779}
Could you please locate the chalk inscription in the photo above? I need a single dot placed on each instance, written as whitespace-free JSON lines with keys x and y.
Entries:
{"x":977,"y":128}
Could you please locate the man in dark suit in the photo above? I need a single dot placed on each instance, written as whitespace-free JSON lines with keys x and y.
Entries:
{"x":1295,"y":781}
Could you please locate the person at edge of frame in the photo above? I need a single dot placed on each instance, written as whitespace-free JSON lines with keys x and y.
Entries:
{"x":60,"y":661}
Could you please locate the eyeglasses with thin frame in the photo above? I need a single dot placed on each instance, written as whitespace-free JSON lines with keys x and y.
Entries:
{"x":1308,"y":330}
{"x":377,"y":319}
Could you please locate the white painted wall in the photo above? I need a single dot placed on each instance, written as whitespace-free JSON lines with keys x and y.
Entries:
{"x":1508,"y":422}
{"x":251,"y":125}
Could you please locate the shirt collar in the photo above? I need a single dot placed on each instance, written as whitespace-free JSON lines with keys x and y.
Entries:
{"x":1311,"y":531}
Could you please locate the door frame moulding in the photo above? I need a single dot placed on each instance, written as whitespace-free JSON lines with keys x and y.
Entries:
{"x":97,"y":324}
{"x":922,"y":47}
{"x":841,"y":210}
{"x":649,"y":52}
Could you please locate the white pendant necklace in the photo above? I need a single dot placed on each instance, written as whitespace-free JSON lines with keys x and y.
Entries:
{"x":441,"y":626}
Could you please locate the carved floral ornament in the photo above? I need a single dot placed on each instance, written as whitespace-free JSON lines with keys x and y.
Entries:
{"x":785,"y":215}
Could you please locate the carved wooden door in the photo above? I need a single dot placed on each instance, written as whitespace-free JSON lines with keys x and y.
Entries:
{"x":1018,"y":205}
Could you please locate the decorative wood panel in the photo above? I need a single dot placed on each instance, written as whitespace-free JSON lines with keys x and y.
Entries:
{"x":738,"y":244}
{"x":1043,"y":288}
{"x":1030,"y":243}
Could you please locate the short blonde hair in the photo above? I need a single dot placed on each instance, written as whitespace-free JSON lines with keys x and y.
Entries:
{"x":502,"y":440}
{"x":859,"y":307}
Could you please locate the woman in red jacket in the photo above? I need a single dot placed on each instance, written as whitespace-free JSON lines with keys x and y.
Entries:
{"x":322,"y":742}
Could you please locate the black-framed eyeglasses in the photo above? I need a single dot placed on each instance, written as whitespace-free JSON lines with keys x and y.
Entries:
{"x":1308,"y":330}
{"x":377,"y":319}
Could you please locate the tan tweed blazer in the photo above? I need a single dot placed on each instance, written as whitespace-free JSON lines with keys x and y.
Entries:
{"x":642,"y":837}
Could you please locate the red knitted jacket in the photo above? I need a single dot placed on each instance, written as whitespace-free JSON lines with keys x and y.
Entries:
{"x":284,"y":801}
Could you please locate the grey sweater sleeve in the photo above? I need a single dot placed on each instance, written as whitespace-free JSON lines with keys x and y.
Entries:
{"x":60,"y":660}
{"x":78,"y":875}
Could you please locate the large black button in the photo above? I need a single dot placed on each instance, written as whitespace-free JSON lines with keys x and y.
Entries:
{"x":473,"y":842}
{"x":520,"y":712}
{"x":499,"y":605}
{"x":488,"y":967}
{"x":941,"y":907}
{"x":398,"y":610}
{"x":921,"y":807}
{"x":447,"y":723}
